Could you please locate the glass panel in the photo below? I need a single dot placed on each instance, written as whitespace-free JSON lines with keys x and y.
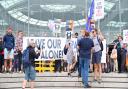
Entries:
{"x":19,"y":13}
{"x":15,"y":16}
{"x":4,"y":4}
{"x":7,"y":3}
{"x":42,"y":23}
{"x":58,"y":8}
{"x":24,"y":17}
{"x":33,"y":20}
{"x":108,"y":5}
{"x":116,"y":24}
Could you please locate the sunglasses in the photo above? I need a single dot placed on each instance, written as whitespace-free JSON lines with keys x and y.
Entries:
{"x":93,"y":31}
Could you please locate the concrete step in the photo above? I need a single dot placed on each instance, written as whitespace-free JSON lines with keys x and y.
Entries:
{"x":64,"y":74}
{"x":61,"y":80}
{"x":63,"y":88}
{"x":66,"y":84}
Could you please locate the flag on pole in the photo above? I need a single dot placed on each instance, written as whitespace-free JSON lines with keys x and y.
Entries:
{"x":89,"y":17}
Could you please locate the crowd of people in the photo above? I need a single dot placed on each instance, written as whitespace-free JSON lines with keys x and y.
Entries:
{"x":12,"y":55}
{"x":11,"y":48}
{"x":90,"y":55}
{"x":88,"y":59}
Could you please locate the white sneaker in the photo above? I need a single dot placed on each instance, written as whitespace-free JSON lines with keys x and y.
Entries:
{"x":10,"y":70}
{"x":5,"y":69}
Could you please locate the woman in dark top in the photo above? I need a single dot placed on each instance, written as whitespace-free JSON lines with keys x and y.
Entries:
{"x":30,"y":72}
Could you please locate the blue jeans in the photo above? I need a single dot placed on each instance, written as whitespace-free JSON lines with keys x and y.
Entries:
{"x":84,"y":63}
{"x":30,"y":73}
{"x":79,"y":66}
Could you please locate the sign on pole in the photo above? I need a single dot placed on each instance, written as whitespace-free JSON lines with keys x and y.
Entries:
{"x":98,"y":9}
{"x":125,"y":36}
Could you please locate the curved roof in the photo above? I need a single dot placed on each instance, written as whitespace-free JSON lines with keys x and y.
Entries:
{"x":42,"y":11}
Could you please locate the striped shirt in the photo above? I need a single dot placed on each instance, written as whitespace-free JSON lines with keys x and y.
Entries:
{"x":19,"y":42}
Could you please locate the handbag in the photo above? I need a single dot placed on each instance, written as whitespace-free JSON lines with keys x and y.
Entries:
{"x":113,"y":54}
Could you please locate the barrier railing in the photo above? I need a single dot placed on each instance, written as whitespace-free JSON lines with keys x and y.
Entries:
{"x":43,"y":66}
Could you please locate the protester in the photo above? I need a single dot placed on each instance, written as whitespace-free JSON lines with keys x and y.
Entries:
{"x":85,"y":45}
{"x":19,"y":45}
{"x":123,"y":58}
{"x":78,"y":56}
{"x":114,"y":58}
{"x":29,"y":69}
{"x":104,"y":55}
{"x":70,"y":57}
{"x":9,"y":44}
{"x":97,"y":53}
{"x":126,"y":62}
{"x":119,"y":43}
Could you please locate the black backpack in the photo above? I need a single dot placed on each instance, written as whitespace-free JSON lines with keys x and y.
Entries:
{"x":25,"y":58}
{"x":101,"y":44}
{"x":65,"y":50}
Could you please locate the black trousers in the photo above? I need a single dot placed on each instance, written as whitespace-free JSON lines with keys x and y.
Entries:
{"x":119,"y":62}
{"x":19,"y":60}
{"x":57,"y":65}
{"x":1,"y":62}
{"x":123,"y":60}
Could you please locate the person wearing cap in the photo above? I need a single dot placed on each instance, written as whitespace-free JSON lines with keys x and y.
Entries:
{"x":9,"y":44}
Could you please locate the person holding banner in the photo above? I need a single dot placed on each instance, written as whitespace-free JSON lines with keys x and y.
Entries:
{"x":85,"y":45}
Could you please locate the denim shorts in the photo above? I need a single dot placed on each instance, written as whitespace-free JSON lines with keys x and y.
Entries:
{"x":69,"y":61}
{"x":96,"y":57}
{"x":30,"y":73}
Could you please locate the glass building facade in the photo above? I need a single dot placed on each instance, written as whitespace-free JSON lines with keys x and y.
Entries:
{"x":33,"y":16}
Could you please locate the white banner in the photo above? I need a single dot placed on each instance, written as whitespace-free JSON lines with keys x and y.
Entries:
{"x":125,"y":36}
{"x":98,"y":9}
{"x":51,"y":47}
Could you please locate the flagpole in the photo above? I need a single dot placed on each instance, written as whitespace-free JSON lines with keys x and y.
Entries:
{"x":28,"y":16}
{"x":120,"y":16}
{"x":99,"y":25}
{"x":86,"y":11}
{"x":86,"y":8}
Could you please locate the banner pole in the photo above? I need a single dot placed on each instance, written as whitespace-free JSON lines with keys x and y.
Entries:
{"x":99,"y":25}
{"x":28,"y":16}
{"x":120,"y":17}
